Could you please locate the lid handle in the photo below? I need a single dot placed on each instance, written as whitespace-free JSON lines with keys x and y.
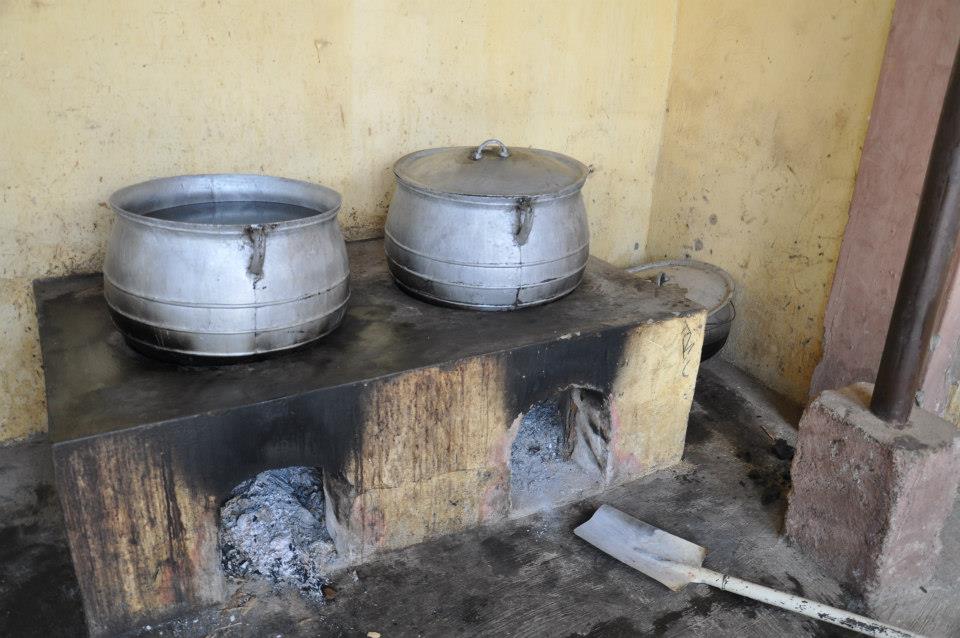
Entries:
{"x":503,"y":152}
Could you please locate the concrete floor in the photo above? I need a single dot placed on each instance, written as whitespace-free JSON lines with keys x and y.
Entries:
{"x":528,"y":577}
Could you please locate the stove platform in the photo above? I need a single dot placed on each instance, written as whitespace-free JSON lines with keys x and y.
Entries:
{"x":410,"y":409}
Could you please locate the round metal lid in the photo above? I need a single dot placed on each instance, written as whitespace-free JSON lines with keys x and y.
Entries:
{"x":491,"y":170}
{"x":706,"y":284}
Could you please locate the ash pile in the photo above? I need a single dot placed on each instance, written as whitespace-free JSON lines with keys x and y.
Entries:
{"x":561,"y":452}
{"x":274,"y":525}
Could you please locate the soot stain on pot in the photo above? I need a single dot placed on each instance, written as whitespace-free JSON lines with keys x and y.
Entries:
{"x":256,"y":236}
{"x":154,"y":342}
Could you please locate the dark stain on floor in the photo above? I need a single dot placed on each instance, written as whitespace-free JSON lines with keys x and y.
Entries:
{"x":620,"y":627}
{"x":500,"y":556}
{"x":39,"y":595}
{"x":704,"y":605}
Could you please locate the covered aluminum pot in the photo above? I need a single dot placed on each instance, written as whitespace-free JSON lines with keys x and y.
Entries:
{"x":210,"y":268}
{"x":703,"y":283}
{"x":488,"y":227}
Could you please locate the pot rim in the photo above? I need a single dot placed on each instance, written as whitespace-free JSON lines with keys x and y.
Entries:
{"x":201,"y":188}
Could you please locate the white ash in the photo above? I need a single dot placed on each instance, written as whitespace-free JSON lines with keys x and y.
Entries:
{"x":274,"y":525}
{"x":542,"y":472}
{"x":540,"y":439}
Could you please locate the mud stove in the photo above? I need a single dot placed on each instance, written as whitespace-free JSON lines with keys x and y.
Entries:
{"x":414,"y":413}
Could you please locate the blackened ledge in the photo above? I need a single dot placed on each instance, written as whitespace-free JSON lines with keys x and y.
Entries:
{"x":96,"y":384}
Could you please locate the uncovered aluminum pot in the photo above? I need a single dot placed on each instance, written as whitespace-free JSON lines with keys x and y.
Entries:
{"x":204,"y":268}
{"x":488,"y":227}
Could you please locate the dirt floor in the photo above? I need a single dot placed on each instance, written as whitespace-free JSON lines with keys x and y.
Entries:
{"x":528,"y":577}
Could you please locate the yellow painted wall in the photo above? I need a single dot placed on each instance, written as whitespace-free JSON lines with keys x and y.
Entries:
{"x":768,"y":108}
{"x":730,"y":130}
{"x":95,"y":95}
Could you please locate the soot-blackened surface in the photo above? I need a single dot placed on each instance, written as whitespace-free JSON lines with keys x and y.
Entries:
{"x":588,"y":360}
{"x":526,"y":578}
{"x":224,"y":424}
{"x":96,"y":383}
{"x":533,"y":578}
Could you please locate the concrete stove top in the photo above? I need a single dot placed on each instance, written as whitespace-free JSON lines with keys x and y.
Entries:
{"x":96,"y":384}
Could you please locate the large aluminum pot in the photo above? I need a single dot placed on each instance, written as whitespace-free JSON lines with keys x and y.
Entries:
{"x":204,"y":268}
{"x":500,"y":230}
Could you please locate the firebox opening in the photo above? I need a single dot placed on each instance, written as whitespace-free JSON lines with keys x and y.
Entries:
{"x":561,"y":452}
{"x":274,"y":525}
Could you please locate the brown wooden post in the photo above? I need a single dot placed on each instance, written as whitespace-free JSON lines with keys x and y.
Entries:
{"x":925,"y":273}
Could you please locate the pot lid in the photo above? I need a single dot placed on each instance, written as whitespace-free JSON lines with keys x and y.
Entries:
{"x":491,"y":170}
{"x":706,"y":284}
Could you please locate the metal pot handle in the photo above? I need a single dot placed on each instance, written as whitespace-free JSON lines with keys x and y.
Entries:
{"x":503,"y":152}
